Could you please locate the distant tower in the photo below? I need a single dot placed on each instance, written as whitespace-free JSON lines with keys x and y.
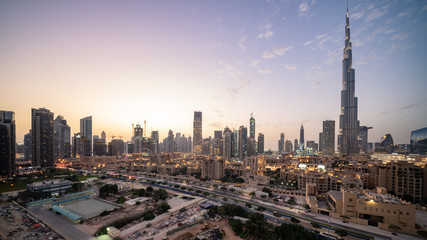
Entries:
{"x":197,"y":133}
{"x":228,"y":138}
{"x":28,"y":146}
{"x":170,"y":142}
{"x":252,"y":126}
{"x":62,"y":138}
{"x":260,"y":143}
{"x":282,"y":143}
{"x":7,"y":143}
{"x":328,"y":137}
{"x":86,"y":135}
{"x":42,"y":137}
{"x":301,"y":137}
{"x":296,"y":145}
{"x":348,"y":123}
{"x":243,"y":137}
{"x":104,"y":136}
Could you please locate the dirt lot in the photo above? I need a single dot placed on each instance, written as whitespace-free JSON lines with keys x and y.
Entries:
{"x":93,"y":224}
{"x":196,"y":229}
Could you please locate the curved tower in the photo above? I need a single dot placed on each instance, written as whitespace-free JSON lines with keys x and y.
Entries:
{"x":348,"y":123}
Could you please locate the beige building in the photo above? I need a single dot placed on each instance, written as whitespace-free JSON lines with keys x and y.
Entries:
{"x":406,"y":180}
{"x":212,"y":168}
{"x":254,"y":164}
{"x":375,"y":208}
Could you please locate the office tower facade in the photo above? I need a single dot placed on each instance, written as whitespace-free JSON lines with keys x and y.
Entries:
{"x":155,"y":148}
{"x":320,"y":142}
{"x":260,"y":144}
{"x":312,"y":146}
{"x":62,"y":144}
{"x":281,"y":145}
{"x":243,"y":136}
{"x":7,"y":143}
{"x":170,"y":142}
{"x":206,"y":146}
{"x":28,"y":148}
{"x":218,"y":134}
{"x":197,"y":133}
{"x":288,"y":146}
{"x":76,"y":145}
{"x":252,"y":127}
{"x":328,"y":137}
{"x":235,"y":143}
{"x":137,"y":139}
{"x":227,"y":149}
{"x":252,"y":147}
{"x":99,"y":146}
{"x":104,"y":136}
{"x":301,"y":138}
{"x":42,"y":137}
{"x":419,"y":141}
{"x":348,"y":123}
{"x":296,"y":147}
{"x":386,"y":144}
{"x":190,"y":144}
{"x":86,"y":135}
{"x":363,"y":139}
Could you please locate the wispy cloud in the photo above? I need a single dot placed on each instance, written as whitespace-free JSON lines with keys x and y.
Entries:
{"x":265,"y":70}
{"x":403,"y":108}
{"x":400,"y":36}
{"x":356,"y":15}
{"x":291,"y":67}
{"x":213,"y":44}
{"x":375,"y":14}
{"x":277,"y":51}
{"x":242,"y":43}
{"x":265,"y":31}
{"x":254,"y":63}
{"x":304,"y":9}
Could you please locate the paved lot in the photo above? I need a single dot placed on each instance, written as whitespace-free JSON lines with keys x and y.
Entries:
{"x":60,"y":224}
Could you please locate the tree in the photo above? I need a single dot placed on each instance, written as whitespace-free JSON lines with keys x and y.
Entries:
{"x":248,"y":205}
{"x":141,"y":192}
{"x":267,"y":190}
{"x":341,"y":232}
{"x":163,"y":207}
{"x":294,"y":220}
{"x":315,"y":225}
{"x":121,"y":200}
{"x":149,"y":189}
{"x":257,"y":224}
{"x":160,"y":194}
{"x":252,"y":194}
{"x":236,"y":225}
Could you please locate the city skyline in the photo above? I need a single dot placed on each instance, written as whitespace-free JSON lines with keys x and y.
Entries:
{"x":283,"y":63}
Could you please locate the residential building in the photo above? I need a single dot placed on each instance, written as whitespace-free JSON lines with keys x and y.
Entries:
{"x":42,"y":137}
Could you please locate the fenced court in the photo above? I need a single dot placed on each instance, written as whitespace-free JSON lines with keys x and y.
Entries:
{"x":88,"y":208}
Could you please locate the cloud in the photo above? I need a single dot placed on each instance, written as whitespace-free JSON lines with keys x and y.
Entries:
{"x":265,"y":31}
{"x":255,"y":62}
{"x":375,"y":14}
{"x":400,"y":36}
{"x":216,"y":125}
{"x":265,"y":70}
{"x":304,"y":9}
{"x":306,"y":43}
{"x":242,"y":43}
{"x":424,"y":8}
{"x":213,"y":44}
{"x":357,"y":15}
{"x":291,"y":67}
{"x":403,"y":108}
{"x":277,"y":51}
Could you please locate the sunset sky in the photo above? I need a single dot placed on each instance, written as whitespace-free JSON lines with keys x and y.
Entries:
{"x":124,"y":62}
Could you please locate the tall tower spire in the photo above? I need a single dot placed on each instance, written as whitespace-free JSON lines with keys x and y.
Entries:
{"x":348,"y":123}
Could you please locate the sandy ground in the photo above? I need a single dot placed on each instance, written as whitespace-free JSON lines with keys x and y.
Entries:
{"x":93,"y":224}
{"x":196,"y":229}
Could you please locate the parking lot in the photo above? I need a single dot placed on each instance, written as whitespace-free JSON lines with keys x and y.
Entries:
{"x":17,"y":223}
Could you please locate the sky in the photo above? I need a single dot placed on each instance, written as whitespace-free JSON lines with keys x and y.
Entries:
{"x":124,"y":62}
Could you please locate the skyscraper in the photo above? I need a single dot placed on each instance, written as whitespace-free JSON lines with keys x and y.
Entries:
{"x":282,"y":143}
{"x":62,"y":143}
{"x":104,"y":136}
{"x":348,"y":123}
{"x":228,"y":138}
{"x":155,"y":142}
{"x":197,"y":133}
{"x":243,"y":136}
{"x":7,"y":143}
{"x":252,"y":127}
{"x":260,"y":143}
{"x":137,"y":138}
{"x":328,"y":137}
{"x":28,"y":146}
{"x":86,"y":135}
{"x":170,"y":142}
{"x":42,"y":137}
{"x":301,"y":138}
{"x":235,"y":143}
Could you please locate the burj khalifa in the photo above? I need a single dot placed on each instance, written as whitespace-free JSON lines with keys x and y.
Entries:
{"x":348,"y":123}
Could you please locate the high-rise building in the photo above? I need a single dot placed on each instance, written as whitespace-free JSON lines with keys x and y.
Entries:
{"x":137,"y":139}
{"x":252,"y":127}
{"x":320,"y":142}
{"x":104,"y":136}
{"x":288,"y":146}
{"x":170,"y":142}
{"x":252,"y":149}
{"x":86,"y":135}
{"x":218,"y":134}
{"x":42,"y":137}
{"x":212,"y":168}
{"x":76,"y":145}
{"x":296,"y":147}
{"x":7,"y":143}
{"x":328,"y":137}
{"x":281,"y":143}
{"x":197,"y":133}
{"x":348,"y":123}
{"x":243,"y":136}
{"x":190,"y":145}
{"x":363,"y":139}
{"x":235,"y":143}
{"x":155,"y":148}
{"x":301,"y":138}
{"x":28,"y":146}
{"x":99,"y":146}
{"x":227,"y":149}
{"x":419,"y":141}
{"x":62,"y":145}
{"x":312,"y":146}
{"x":260,"y":143}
